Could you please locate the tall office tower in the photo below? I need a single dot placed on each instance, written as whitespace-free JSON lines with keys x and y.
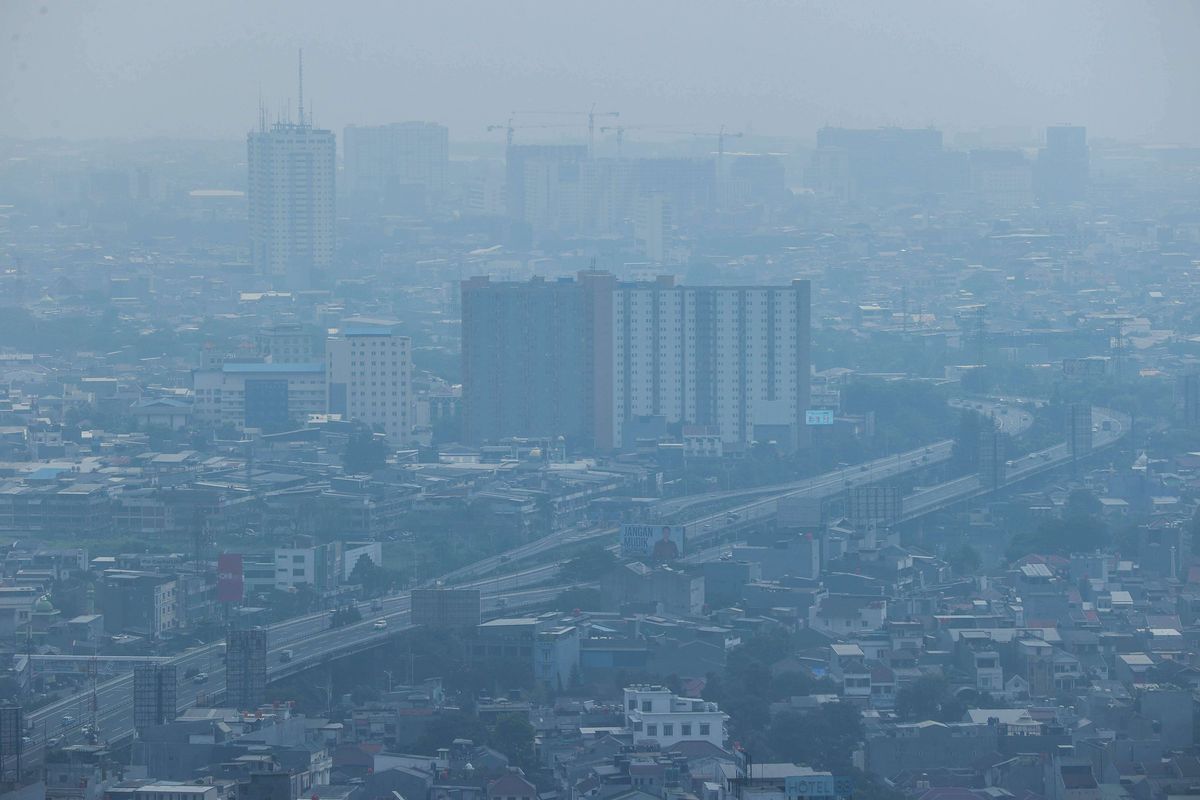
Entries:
{"x":527,"y":357}
{"x":1062,"y":165}
{"x":291,"y":192}
{"x":731,"y":358}
{"x":369,"y":365}
{"x":398,"y":167}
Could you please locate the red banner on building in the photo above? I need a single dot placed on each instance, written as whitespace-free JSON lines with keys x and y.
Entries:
{"x":231,"y":586}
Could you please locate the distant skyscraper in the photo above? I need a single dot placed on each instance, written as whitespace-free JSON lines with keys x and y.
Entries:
{"x":291,"y":193}
{"x":1062,"y":165}
{"x":396,"y":166}
{"x":370,"y":375}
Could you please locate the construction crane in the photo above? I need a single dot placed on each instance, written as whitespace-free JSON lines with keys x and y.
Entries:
{"x":720,"y":135}
{"x":509,"y":127}
{"x":591,"y":114}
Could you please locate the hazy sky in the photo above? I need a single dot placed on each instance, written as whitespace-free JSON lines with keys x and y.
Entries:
{"x":128,"y":68}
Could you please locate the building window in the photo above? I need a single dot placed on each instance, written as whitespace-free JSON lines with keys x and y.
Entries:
{"x":647,"y":706}
{"x":652,"y":730}
{"x":705,"y":728}
{"x":685,"y":729}
{"x":668,"y":729}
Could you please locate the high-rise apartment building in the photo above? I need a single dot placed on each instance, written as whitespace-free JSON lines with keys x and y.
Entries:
{"x":397,"y":165}
{"x":528,"y":357}
{"x":291,"y":194}
{"x":369,"y":365}
{"x":1062,"y":165}
{"x":732,"y":358}
{"x":597,"y":361}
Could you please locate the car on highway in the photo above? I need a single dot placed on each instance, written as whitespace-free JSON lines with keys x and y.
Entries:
{"x":285,"y":656}
{"x":379,"y":624}
{"x":200,"y":677}
{"x":67,"y":720}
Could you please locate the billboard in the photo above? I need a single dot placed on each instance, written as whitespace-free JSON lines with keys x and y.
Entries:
{"x":245,"y":668}
{"x":231,"y":584}
{"x":154,"y":694}
{"x":656,"y":542}
{"x":866,"y":504}
{"x":819,"y":416}
{"x":814,"y":785}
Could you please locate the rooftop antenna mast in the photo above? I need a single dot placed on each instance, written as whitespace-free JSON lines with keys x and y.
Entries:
{"x":302,"y":87}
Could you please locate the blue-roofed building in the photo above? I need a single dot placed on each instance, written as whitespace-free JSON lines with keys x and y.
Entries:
{"x":266,"y":396}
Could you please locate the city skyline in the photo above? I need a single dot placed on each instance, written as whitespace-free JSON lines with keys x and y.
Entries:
{"x":785,"y":71}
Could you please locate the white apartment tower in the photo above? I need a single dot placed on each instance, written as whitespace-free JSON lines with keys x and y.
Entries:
{"x":291,"y":194}
{"x":369,"y":365}
{"x":734,"y":359}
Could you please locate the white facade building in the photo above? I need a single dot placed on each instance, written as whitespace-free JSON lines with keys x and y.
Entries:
{"x":258,"y":395}
{"x":731,"y":358}
{"x":291,"y":199}
{"x":370,"y":376}
{"x":653,"y":713}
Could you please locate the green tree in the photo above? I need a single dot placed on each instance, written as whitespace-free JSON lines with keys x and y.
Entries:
{"x":1082,"y":503}
{"x":590,"y":565}
{"x":443,"y":729}
{"x":365,"y":452}
{"x":823,"y":738}
{"x":1071,"y":534}
{"x":921,"y":699}
{"x":965,"y":559}
{"x":792,"y":683}
{"x":513,"y":736}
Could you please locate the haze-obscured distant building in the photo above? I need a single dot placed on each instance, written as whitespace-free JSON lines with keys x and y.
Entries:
{"x":1062,"y":165}
{"x":291,"y":197}
{"x":396,"y":167}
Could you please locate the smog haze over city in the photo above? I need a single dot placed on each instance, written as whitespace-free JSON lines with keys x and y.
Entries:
{"x":676,"y":400}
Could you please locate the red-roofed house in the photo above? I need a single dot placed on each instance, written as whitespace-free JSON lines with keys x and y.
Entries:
{"x":511,"y":787}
